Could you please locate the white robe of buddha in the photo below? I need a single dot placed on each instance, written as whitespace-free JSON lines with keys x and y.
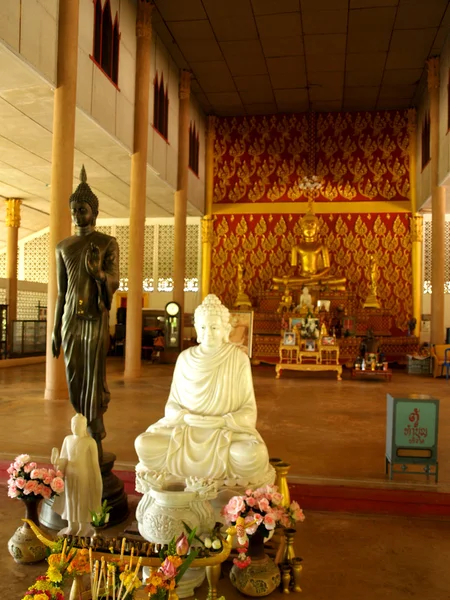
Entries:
{"x":209,"y":427}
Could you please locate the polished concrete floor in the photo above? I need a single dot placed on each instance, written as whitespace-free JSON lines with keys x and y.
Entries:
{"x":345,"y":557}
{"x":330,"y":431}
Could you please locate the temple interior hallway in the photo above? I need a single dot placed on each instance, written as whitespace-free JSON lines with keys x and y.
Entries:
{"x":345,"y":557}
{"x":329,"y":431}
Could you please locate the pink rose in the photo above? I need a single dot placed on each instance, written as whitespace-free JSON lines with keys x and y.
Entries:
{"x":251,"y":530}
{"x":30,"y":487}
{"x":250,"y":501}
{"x":22,"y":459}
{"x":263,"y":505}
{"x":277,"y":498}
{"x":45,"y":491}
{"x":20,"y":482}
{"x":169,"y":569}
{"x":11,"y":470}
{"x":57,"y":485}
{"x":234,"y":507}
{"x":269,"y":522}
{"x":13,"y":492}
{"x":59,"y":473}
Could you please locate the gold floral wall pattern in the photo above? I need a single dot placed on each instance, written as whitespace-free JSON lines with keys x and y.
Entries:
{"x":264,"y":242}
{"x":360,"y":157}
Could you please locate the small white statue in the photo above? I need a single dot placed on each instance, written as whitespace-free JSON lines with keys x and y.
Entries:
{"x":209,"y":428}
{"x":82,"y":476}
{"x":305,"y":301}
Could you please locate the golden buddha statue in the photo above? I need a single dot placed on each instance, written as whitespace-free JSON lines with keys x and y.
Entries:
{"x":314,"y":260}
{"x":372,"y":299}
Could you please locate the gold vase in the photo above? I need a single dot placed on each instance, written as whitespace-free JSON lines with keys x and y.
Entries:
{"x":297,"y":570}
{"x":282,"y":469}
{"x":289,"y":551}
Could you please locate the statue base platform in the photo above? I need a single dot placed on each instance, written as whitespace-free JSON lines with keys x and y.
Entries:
{"x":163,"y":509}
{"x":113,"y":492}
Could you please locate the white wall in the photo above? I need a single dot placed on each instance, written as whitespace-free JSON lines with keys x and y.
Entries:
{"x":426,"y":298}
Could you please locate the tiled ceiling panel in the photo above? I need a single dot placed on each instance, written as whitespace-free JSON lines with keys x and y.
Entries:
{"x":250,"y":55}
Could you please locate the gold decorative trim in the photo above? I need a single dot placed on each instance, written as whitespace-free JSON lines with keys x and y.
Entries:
{"x":185,"y":84}
{"x":144,"y":19}
{"x":417,"y":228}
{"x":13,"y":212}
{"x":207,"y":230}
{"x":433,"y":72}
{"x":300,"y":208}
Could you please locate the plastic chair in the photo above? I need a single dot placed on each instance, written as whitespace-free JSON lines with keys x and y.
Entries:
{"x":446,"y":363}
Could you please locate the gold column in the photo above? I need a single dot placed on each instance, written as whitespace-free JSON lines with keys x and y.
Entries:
{"x":207,"y":221}
{"x":138,"y":191}
{"x":62,"y":175}
{"x":180,"y":208}
{"x":416,"y":256}
{"x":438,"y":211}
{"x":12,"y":235}
{"x":416,"y":223}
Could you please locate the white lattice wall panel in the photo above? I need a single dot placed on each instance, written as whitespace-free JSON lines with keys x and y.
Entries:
{"x":192,"y":241}
{"x":149,"y":243}
{"x":3,"y":265}
{"x":104,"y":229}
{"x":427,"y":253}
{"x":122,"y":240}
{"x":36,"y":254}
{"x":28,"y":304}
{"x":165,"y":251}
{"x":2,"y":296}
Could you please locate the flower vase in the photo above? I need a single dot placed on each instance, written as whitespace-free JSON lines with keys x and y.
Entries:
{"x":24,"y":546}
{"x":262,"y":576}
{"x":77,"y":589}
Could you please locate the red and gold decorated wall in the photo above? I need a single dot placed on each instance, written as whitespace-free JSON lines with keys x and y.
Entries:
{"x":363,"y":205}
{"x":360,"y":157}
{"x":263,"y":243}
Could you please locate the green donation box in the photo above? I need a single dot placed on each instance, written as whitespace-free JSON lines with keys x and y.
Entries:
{"x":412,"y":435}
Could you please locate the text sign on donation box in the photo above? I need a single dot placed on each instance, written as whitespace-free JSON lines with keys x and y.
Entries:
{"x":412,"y":434}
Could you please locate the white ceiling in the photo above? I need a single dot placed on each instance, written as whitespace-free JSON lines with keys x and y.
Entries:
{"x":26,"y":117}
{"x":268,"y":56}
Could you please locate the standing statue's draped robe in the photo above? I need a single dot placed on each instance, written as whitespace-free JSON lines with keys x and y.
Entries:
{"x":85,"y":323}
{"x":215,"y":385}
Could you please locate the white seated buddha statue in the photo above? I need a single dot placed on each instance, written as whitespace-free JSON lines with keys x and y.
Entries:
{"x":209,"y":427}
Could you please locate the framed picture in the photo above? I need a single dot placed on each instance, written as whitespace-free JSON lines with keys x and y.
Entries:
{"x":241,"y":333}
{"x":328,"y":340}
{"x":296,"y":322}
{"x":324,"y":304}
{"x":289,"y":338}
{"x":310,"y":345}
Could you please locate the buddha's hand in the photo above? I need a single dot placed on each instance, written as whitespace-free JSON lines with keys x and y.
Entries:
{"x":204,"y":421}
{"x":93,"y":263}
{"x":56,"y":343}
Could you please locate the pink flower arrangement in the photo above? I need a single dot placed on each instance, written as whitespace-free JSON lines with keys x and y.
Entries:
{"x":27,"y":479}
{"x":261,"y":509}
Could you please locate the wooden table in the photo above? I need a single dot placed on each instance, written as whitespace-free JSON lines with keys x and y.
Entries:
{"x":308,"y":367}
{"x":369,"y":374}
